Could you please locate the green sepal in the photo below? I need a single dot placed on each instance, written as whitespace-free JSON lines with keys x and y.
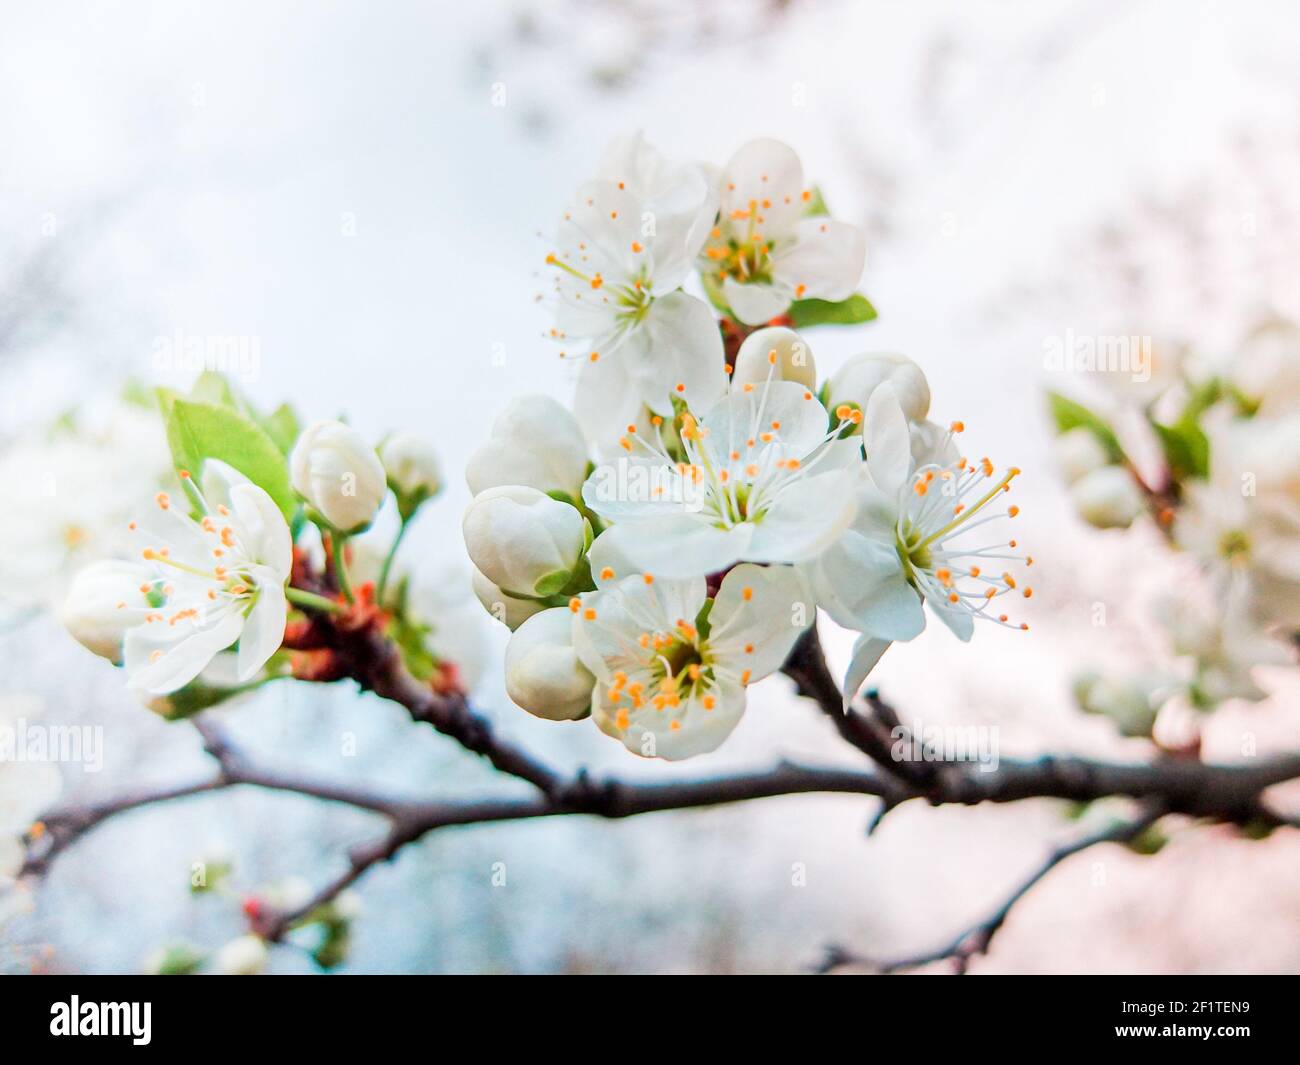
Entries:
{"x":852,"y":311}
{"x":1067,"y":414}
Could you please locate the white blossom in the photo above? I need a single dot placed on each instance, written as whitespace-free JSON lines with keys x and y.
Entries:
{"x":622,"y":250}
{"x":763,"y":479}
{"x":534,"y":442}
{"x":1108,"y":498}
{"x":202,"y":586}
{"x":854,"y":382}
{"x":671,"y":680}
{"x":523,"y":540}
{"x":339,"y":474}
{"x":543,"y":673}
{"x":764,"y":253}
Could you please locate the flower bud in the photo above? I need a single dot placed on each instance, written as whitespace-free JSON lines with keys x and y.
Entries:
{"x":412,"y":468}
{"x":1107,"y":498}
{"x":543,"y":673}
{"x":777,"y":351}
{"x":96,"y":611}
{"x":339,"y":474}
{"x":1078,"y":453}
{"x":508,"y":610}
{"x":523,"y":540}
{"x":535,"y":442}
{"x":244,"y":956}
{"x":1127,"y":703}
{"x":854,"y":382}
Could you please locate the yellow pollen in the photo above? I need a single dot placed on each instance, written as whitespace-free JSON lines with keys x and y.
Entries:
{"x":606,"y":574}
{"x":747,"y":593}
{"x":744,"y":677}
{"x":648,"y":578}
{"x":1012,"y":511}
{"x":163,"y":500}
{"x":1028,"y":593}
{"x":637,"y":249}
{"x":674,"y":725}
{"x":953,"y":597}
{"x":708,"y":702}
{"x":575,"y":604}
{"x":589,"y":614}
{"x":958,"y":427}
{"x":771,"y":356}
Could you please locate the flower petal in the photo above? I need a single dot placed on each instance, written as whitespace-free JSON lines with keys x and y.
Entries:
{"x":889,"y":446}
{"x":651,"y":735}
{"x":805,"y":519}
{"x":801,"y":419}
{"x":264,"y":627}
{"x":264,"y":531}
{"x":859,"y":582}
{"x":757,"y":615}
{"x":756,"y":303}
{"x":679,"y":545}
{"x":609,"y":398}
{"x":184,"y":652}
{"x":866,"y":653}
{"x":685,"y":349}
{"x":767,"y":173}
{"x":824,"y":261}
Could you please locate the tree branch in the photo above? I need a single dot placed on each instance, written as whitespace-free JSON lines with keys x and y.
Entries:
{"x":1222,"y":792}
{"x":977,"y":939}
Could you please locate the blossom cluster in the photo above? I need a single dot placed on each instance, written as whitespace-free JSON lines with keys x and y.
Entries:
{"x":1205,"y":451}
{"x":663,"y":546}
{"x":195,"y":600}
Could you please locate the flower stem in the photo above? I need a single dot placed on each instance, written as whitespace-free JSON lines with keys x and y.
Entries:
{"x":312,"y":600}
{"x":337,"y":543}
{"x":388,"y":562}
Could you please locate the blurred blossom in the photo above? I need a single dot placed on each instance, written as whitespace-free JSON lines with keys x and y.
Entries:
{"x":74,"y":489}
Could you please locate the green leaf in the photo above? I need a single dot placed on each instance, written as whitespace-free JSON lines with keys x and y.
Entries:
{"x":1186,"y":448}
{"x":412,"y":639}
{"x":213,"y":387}
{"x":282,"y":426}
{"x":1067,"y":414}
{"x":201,"y":431}
{"x":852,"y":311}
{"x":178,"y":959}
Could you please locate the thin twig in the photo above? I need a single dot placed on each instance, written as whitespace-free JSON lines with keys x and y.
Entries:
{"x":976,"y":939}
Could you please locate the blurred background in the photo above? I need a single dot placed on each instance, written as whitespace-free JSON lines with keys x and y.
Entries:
{"x":359,"y":192}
